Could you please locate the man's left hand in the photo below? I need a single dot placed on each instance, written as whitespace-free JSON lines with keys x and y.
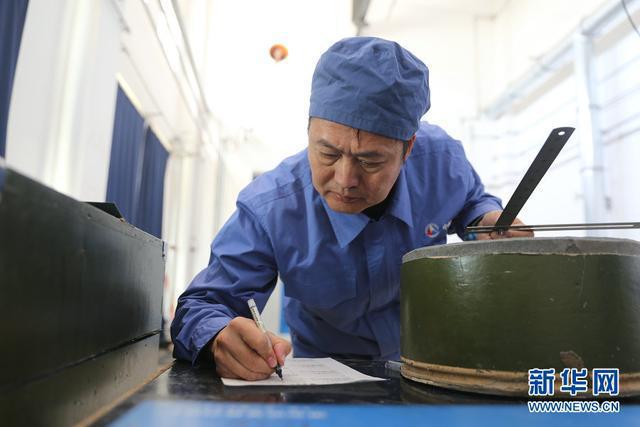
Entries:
{"x":490,"y":219}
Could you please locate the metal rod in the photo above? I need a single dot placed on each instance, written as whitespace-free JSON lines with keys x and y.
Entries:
{"x":554,"y":227}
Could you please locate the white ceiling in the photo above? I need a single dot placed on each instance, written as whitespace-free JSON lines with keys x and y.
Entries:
{"x":403,"y":10}
{"x":246,"y":90}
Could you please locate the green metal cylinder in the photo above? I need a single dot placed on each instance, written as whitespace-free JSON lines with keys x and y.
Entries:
{"x":507,"y":306}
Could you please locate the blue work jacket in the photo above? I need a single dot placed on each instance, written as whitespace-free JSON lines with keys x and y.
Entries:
{"x":341,"y":272}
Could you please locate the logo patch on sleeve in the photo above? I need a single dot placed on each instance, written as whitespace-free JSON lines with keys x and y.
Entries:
{"x":431,"y":230}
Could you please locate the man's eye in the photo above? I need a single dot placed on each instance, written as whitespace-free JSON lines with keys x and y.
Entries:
{"x":369,"y":165}
{"x":330,"y":155}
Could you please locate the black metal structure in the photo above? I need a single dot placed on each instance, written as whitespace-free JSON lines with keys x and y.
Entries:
{"x":80,"y":304}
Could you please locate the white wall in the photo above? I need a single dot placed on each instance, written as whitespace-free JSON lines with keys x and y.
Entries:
{"x":477,"y":53}
{"x":617,"y":67}
{"x":512,"y":42}
{"x":62,"y":106}
{"x":504,"y":147}
{"x":474,"y":50}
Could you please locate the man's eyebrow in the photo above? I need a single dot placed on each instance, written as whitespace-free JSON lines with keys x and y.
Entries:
{"x":327,"y":144}
{"x":364,"y":154}
{"x":369,"y":155}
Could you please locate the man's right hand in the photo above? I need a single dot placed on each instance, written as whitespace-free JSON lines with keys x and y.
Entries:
{"x":242,"y":351}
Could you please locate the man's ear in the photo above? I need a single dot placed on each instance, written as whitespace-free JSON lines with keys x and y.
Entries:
{"x":409,"y":147}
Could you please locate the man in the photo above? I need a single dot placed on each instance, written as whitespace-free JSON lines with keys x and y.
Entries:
{"x":334,"y":221}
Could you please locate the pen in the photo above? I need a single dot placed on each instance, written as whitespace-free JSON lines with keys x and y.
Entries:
{"x":256,"y":318}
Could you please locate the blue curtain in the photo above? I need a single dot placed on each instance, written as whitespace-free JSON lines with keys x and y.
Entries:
{"x":136,"y":169}
{"x":149,"y":215}
{"x":125,"y":167}
{"x":12,"y":15}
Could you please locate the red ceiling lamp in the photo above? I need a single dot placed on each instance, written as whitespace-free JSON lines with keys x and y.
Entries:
{"x":278,"y":52}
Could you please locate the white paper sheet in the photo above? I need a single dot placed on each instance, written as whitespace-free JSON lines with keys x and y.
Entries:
{"x":301,"y":371}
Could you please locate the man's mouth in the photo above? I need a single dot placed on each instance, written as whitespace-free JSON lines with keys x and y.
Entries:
{"x":345,"y":199}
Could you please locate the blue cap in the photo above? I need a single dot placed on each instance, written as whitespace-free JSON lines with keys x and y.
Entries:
{"x":371,"y":84}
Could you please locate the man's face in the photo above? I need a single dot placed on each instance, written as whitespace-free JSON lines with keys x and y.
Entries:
{"x":352,"y":169}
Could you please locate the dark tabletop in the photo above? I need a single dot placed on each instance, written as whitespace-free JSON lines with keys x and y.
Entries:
{"x":184,"y":382}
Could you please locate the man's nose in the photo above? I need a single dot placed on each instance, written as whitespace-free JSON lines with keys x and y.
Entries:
{"x":346,"y":174}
